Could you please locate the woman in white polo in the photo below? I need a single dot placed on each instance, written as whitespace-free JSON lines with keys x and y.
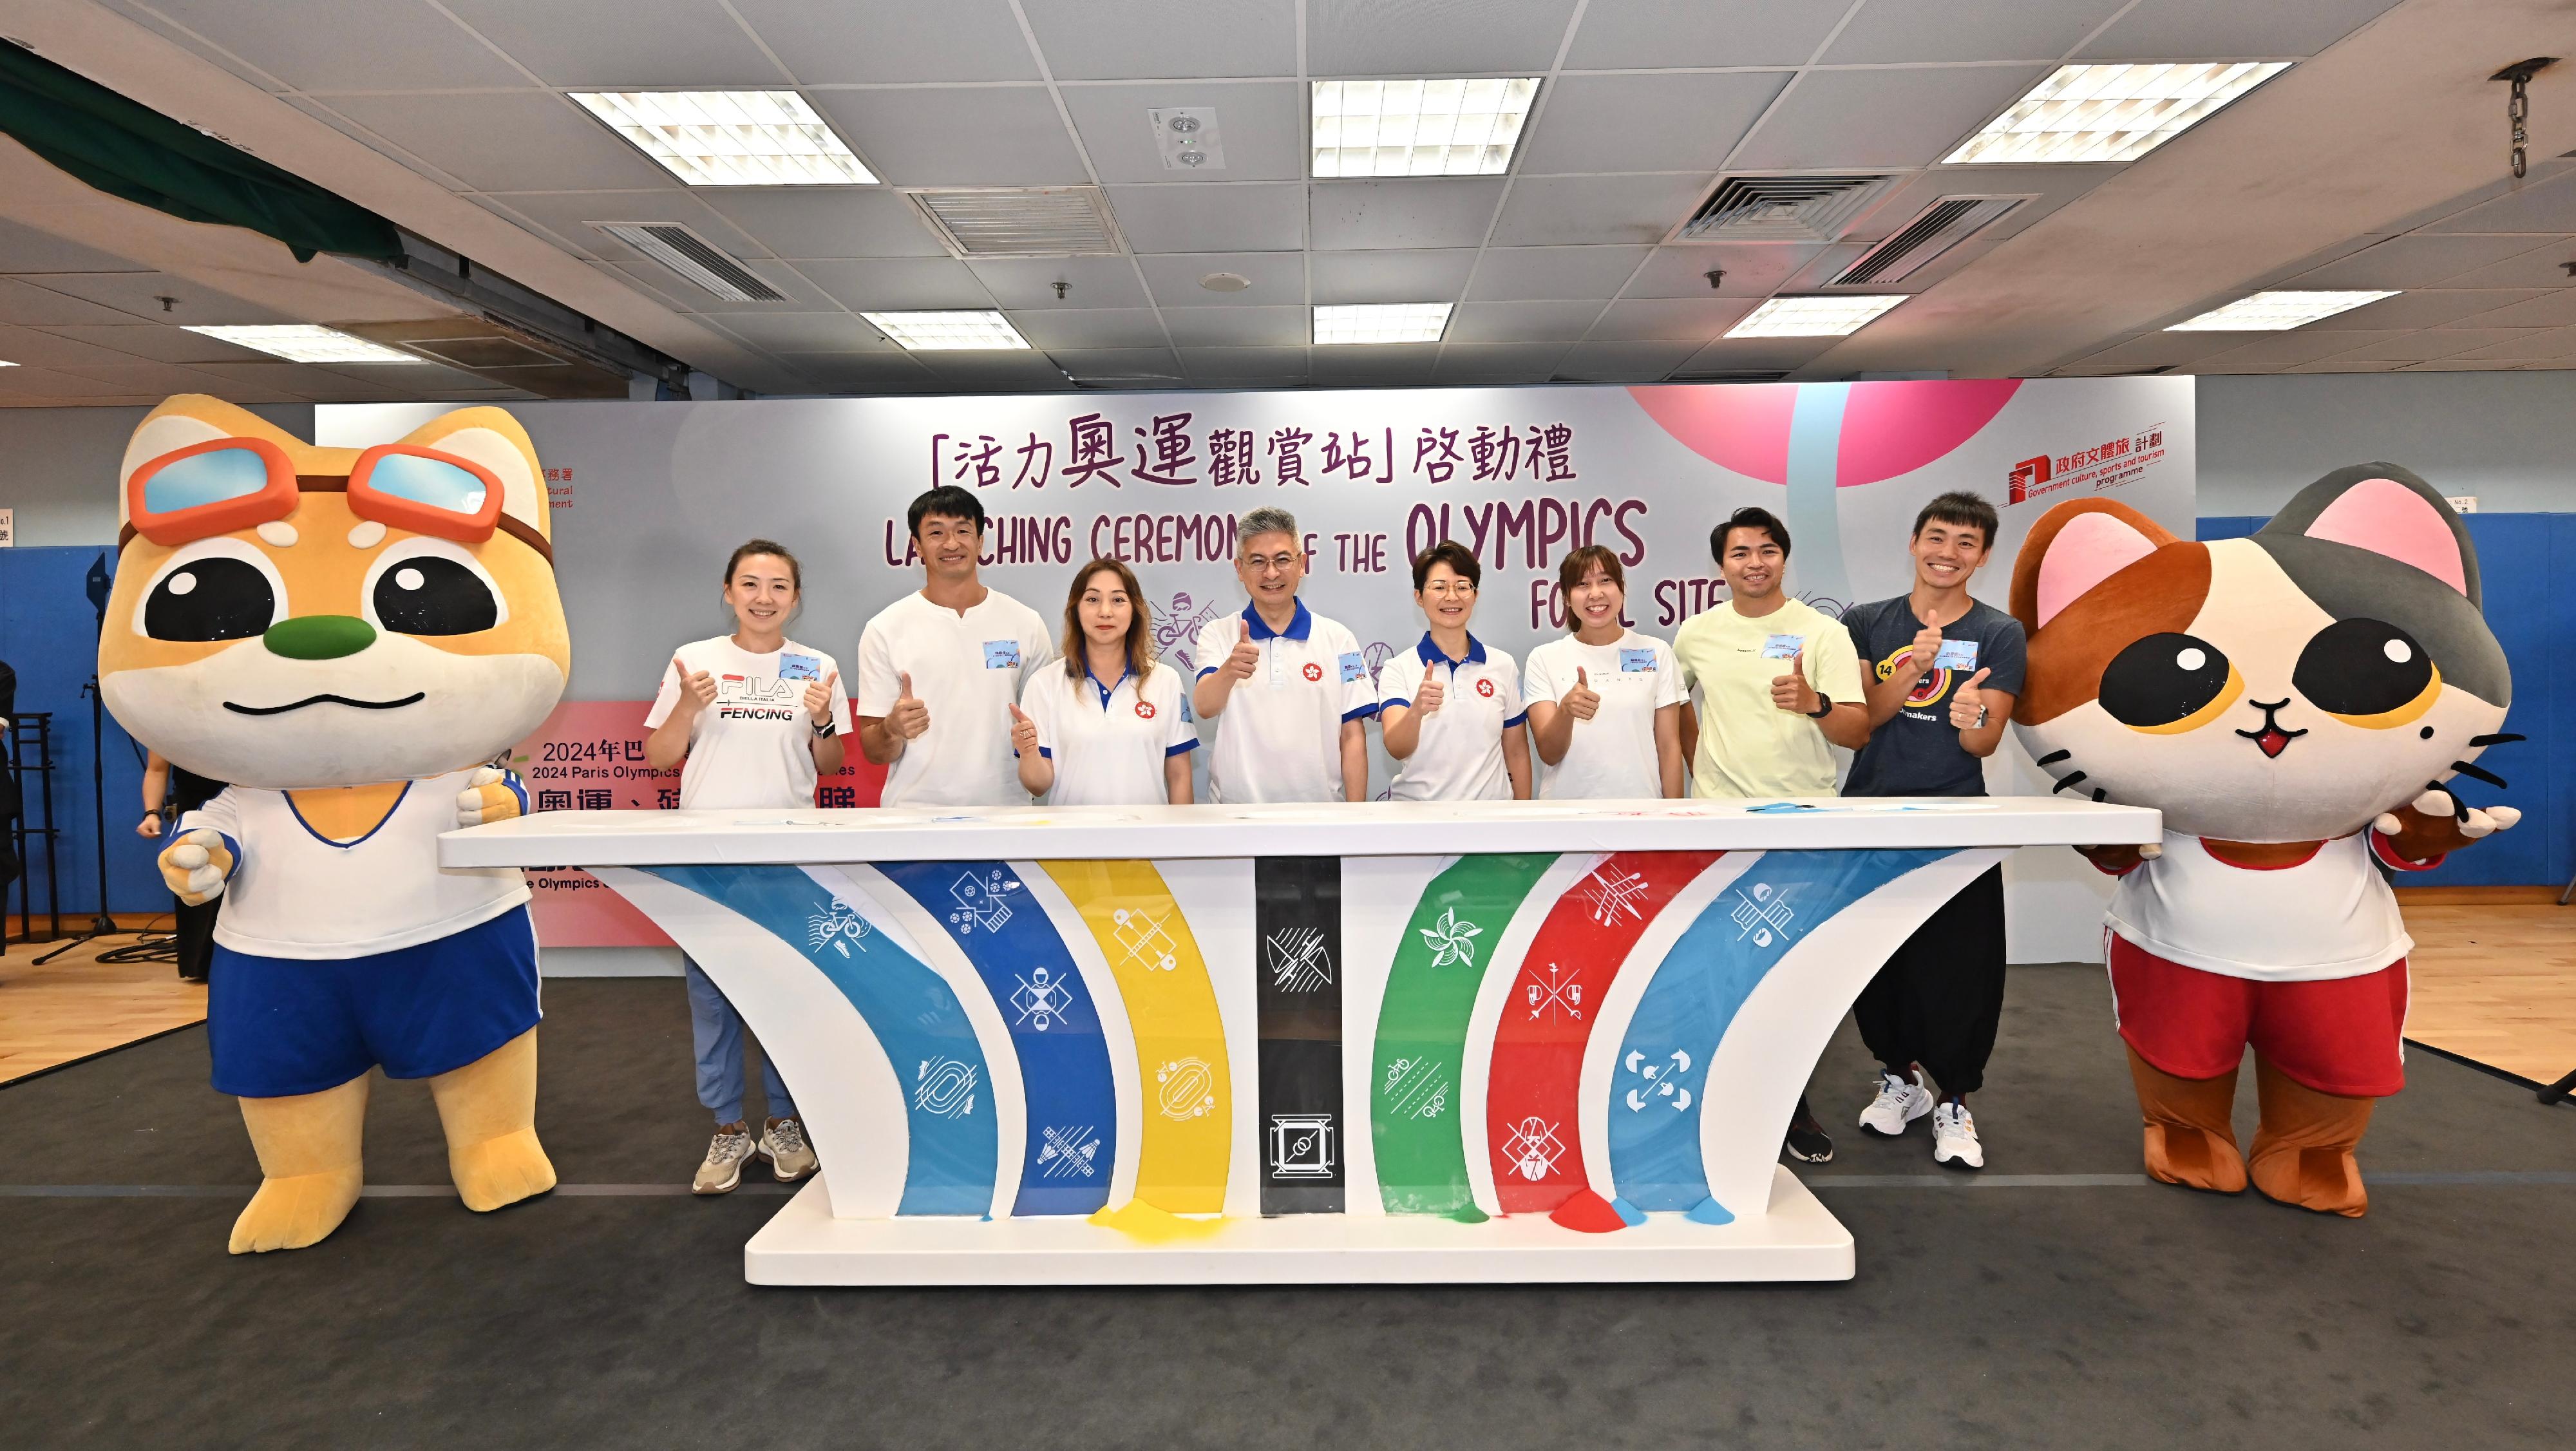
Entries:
{"x":1605,"y":703}
{"x":1450,"y":708}
{"x":1104,"y":727}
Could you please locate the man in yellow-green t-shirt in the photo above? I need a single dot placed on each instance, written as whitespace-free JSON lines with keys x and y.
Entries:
{"x":1773,"y":680}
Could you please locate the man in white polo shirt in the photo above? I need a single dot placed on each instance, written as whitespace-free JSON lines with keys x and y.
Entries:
{"x":1291,"y":687}
{"x":940,"y":669}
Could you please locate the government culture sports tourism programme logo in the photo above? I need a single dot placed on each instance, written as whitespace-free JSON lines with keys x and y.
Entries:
{"x":2102,"y":465}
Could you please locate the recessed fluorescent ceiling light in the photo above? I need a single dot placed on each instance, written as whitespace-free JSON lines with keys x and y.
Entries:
{"x":931,"y":332}
{"x":730,"y":138}
{"x":1419,"y":128}
{"x":5,"y":363}
{"x":2272,"y":312}
{"x":2111,"y":112}
{"x":1381,"y":322}
{"x":303,"y":343}
{"x":1811,"y":317}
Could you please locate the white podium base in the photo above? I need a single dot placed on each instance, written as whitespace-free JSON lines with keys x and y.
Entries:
{"x":804,"y":1245}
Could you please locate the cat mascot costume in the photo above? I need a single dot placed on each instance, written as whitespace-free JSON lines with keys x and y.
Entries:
{"x":348,"y":637}
{"x":2293,"y":703}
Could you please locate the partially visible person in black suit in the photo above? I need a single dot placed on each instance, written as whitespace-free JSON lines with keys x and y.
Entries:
{"x":168,"y":792}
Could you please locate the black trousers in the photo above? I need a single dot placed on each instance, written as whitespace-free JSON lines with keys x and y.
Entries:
{"x":1939,"y":997}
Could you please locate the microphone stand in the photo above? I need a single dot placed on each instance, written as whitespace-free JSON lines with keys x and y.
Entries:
{"x":100,"y":924}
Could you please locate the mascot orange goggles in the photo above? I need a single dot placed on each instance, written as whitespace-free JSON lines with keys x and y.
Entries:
{"x":226,"y":484}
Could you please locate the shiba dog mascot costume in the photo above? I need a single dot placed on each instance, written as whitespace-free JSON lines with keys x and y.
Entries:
{"x":348,"y":637}
{"x":2293,"y":703}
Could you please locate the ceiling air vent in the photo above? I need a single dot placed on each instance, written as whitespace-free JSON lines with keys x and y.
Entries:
{"x":695,"y":258}
{"x":1052,"y":221}
{"x":1943,"y":225}
{"x":1781,"y":208}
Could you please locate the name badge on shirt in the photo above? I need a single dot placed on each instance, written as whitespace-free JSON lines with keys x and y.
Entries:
{"x":1631,"y":661}
{"x":1781,"y":647}
{"x":800,"y":667}
{"x":1001,"y":654}
{"x":1352,"y":667}
{"x":1956,"y":655}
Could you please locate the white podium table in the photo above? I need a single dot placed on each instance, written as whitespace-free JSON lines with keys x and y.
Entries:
{"x":1467,"y":1042}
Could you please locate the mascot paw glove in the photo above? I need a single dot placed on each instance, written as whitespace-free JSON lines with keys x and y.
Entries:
{"x":490,"y":794}
{"x":2438,"y":822}
{"x":196,"y":866}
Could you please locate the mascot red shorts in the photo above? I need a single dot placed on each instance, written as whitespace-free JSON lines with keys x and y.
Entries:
{"x":2339,"y":1036}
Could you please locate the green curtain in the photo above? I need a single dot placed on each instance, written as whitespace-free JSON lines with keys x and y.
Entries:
{"x":132,"y":151}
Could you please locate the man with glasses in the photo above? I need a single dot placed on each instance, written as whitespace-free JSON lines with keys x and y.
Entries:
{"x":1289,"y":686}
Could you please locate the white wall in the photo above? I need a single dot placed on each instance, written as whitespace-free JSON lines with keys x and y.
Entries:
{"x":2508,"y":438}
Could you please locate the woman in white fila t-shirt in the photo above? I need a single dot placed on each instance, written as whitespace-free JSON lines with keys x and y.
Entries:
{"x":1104,"y":725}
{"x":1605,"y":703}
{"x":752,"y":719}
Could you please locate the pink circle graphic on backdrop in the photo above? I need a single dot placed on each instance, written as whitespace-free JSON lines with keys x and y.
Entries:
{"x":1889,"y":428}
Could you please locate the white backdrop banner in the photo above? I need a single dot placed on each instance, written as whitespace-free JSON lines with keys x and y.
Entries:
{"x":649,"y":498}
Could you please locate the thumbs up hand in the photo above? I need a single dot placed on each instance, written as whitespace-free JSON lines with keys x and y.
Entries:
{"x":697,"y":687}
{"x":818,"y":699}
{"x":1791,"y":692}
{"x":910,"y":716}
{"x":1427,"y":699}
{"x":1925,"y":650}
{"x":1968,"y":703}
{"x":1245,"y":657}
{"x":1582,"y":701}
{"x":1024,"y":733}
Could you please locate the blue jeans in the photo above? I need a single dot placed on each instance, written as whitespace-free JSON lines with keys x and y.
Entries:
{"x":717,"y":1029}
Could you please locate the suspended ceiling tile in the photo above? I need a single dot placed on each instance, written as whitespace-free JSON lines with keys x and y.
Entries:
{"x":139,"y":294}
{"x":2230,"y":29}
{"x":860,"y":372}
{"x":528,"y":141}
{"x":1522,"y":322}
{"x":1376,"y":365}
{"x":27,"y":304}
{"x":826,"y":222}
{"x":2546,"y":344}
{"x":2160,"y":350}
{"x":36,"y":386}
{"x":2344,"y":365}
{"x":1019,"y":370}
{"x":2542,"y":206}
{"x":1245,"y":367}
{"x":1390,"y":276}
{"x":2289,"y":349}
{"x":1753,"y":269}
{"x":957,"y":135}
{"x":2547,"y":265}
{"x":315,"y":45}
{"x":1090,"y":282}
{"x":827,"y":41}
{"x":1530,"y":274}
{"x":2473,"y":365}
{"x":1119,"y":365}
{"x":2420,"y":260}
{"x":1756,"y":354}
{"x":2538,"y":309}
{"x":1908,"y":31}
{"x":1476,"y":37}
{"x":801,"y":332}
{"x":34,"y":348}
{"x":569,"y":216}
{"x":161,"y":378}
{"x":659,"y":282}
{"x":616,"y":44}
{"x":2432,"y":307}
{"x":1653,"y":34}
{"x":1238,"y":327}
{"x":1880,"y":117}
{"x":27,"y":249}
{"x":1122,"y":39}
{"x":1698,"y":320}
{"x":2431,"y":343}
{"x":1429,"y":211}
{"x":1278,"y":279}
{"x":1623,"y":362}
{"x":1245,"y":217}
{"x":1090,"y":328}
{"x":1646,"y":122}
{"x":895,"y":284}
{"x":1579,"y":210}
{"x":157,"y":342}
{"x":1262,"y":125}
{"x":1498,"y":362}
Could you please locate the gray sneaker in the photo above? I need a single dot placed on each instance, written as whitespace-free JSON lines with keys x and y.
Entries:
{"x":782,"y":1142}
{"x":725,"y":1155}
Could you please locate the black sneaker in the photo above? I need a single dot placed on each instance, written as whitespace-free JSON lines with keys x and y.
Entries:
{"x":1807,"y":1142}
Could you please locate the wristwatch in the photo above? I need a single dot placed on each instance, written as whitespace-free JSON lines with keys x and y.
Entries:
{"x":1824,"y":706}
{"x":826,"y":729}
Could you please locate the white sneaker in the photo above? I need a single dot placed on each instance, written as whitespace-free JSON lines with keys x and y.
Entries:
{"x":1954,"y":1138}
{"x":726,"y":1154}
{"x":1900,"y":1102}
{"x":783,"y":1144}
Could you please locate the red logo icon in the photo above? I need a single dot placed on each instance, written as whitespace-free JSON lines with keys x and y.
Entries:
{"x":1485,"y":688}
{"x":2026,"y":478}
{"x":1144,"y":710}
{"x":1314,"y":671}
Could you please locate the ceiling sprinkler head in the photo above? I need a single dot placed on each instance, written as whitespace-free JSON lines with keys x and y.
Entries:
{"x":1716,"y":276}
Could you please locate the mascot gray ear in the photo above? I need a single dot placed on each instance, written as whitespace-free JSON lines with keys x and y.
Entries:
{"x":2388,"y":511}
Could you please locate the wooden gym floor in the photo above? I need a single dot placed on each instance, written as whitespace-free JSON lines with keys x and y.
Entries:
{"x":2494,"y":982}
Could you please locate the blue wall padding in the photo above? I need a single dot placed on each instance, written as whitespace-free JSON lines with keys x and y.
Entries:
{"x":2527,"y":571}
{"x":49,"y":634}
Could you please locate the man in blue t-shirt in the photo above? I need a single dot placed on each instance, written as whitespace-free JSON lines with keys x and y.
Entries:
{"x":1942,"y":671}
